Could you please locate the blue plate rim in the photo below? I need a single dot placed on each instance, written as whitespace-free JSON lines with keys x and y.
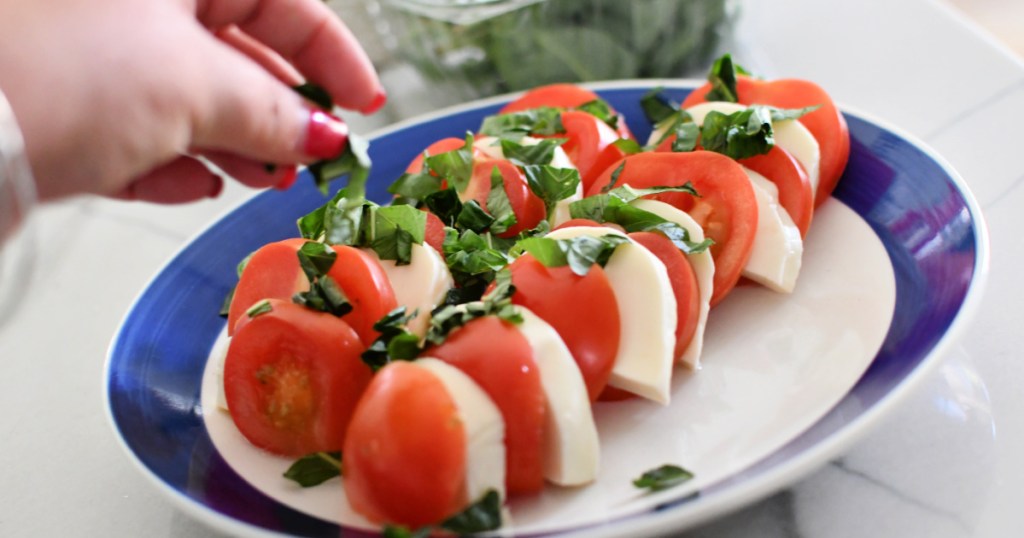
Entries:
{"x":691,"y":513}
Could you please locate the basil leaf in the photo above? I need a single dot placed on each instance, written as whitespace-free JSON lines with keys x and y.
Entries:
{"x":395,"y":341}
{"x":343,"y":220}
{"x":498,"y":204}
{"x":742,"y":134}
{"x":446,"y":205}
{"x":416,"y":186}
{"x":324,"y":295}
{"x":552,"y":184}
{"x":723,"y":80}
{"x":657,"y":108}
{"x":531,"y":154}
{"x":225,"y":305}
{"x":259,"y":308}
{"x":545,"y":250}
{"x":315,"y":94}
{"x":473,"y":217}
{"x":600,"y":109}
{"x":663,"y":477}
{"x":687,"y":134}
{"x":782,"y":114}
{"x":316,"y":259}
{"x":483,"y":515}
{"x":393,"y":230}
{"x":544,"y":121}
{"x":315,"y":469}
{"x":470,"y":253}
{"x":580,"y":253}
{"x":497,"y":302}
{"x":456,"y":166}
{"x":353,"y":161}
{"x":627,"y":146}
{"x":400,"y":531}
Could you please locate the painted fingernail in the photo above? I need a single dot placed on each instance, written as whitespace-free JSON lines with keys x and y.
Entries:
{"x":325,"y":135}
{"x":289,"y":174}
{"x":218,"y":186}
{"x":377,"y":103}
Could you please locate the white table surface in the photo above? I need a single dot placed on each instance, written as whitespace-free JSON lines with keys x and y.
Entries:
{"x":948,"y":463}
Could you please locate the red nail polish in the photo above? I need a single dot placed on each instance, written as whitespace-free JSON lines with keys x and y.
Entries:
{"x":377,"y":103}
{"x":290,"y":174}
{"x":325,"y":135}
{"x":218,"y":186}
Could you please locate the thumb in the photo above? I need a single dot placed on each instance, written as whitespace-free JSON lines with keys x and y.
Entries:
{"x":247,"y":111}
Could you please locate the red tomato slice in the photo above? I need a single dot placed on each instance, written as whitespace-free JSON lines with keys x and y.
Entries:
{"x":405,"y":454}
{"x":726,"y":208}
{"x":684,"y":285}
{"x":827,"y":123}
{"x":582,"y":309}
{"x":795,"y":194}
{"x":590,"y":144}
{"x":498,"y":357}
{"x":433,"y":233}
{"x":273,"y":272}
{"x":441,"y":146}
{"x":527,"y":206}
{"x":558,"y":96}
{"x":292,"y":377}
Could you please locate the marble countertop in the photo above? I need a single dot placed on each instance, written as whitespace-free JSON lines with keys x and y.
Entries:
{"x":945,"y":464}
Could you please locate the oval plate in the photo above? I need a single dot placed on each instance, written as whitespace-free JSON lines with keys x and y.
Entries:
{"x":920,"y":209}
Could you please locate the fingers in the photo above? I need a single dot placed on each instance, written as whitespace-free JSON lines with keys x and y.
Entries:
{"x":261,"y":54}
{"x":182,"y":180}
{"x":308,"y":35}
{"x":255,"y":174}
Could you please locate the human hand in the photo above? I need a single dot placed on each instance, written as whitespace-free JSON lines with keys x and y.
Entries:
{"x":116,"y":97}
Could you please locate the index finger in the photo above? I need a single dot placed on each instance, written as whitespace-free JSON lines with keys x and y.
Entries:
{"x":311,"y":37}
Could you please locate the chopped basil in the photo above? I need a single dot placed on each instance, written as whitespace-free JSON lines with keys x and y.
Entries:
{"x":552,"y":184}
{"x":473,"y":217}
{"x":498,"y":204}
{"x":259,"y":308}
{"x":316,"y":259}
{"x":395,"y":341}
{"x":528,"y":154}
{"x":687,"y":134}
{"x":472,"y":253}
{"x":324,"y":294}
{"x":656,"y":107}
{"x":723,"y":80}
{"x":663,"y":477}
{"x":241,"y":265}
{"x":615,"y":177}
{"x":445,"y":204}
{"x":225,"y":305}
{"x":392,"y":231}
{"x":456,"y":166}
{"x":600,"y":109}
{"x":416,"y":186}
{"x":742,"y":134}
{"x":315,"y":94}
{"x":544,"y":121}
{"x":580,"y":253}
{"x":315,"y":469}
{"x":497,"y":302}
{"x":353,"y":161}
{"x":481,"y":516}
{"x":628,"y":146}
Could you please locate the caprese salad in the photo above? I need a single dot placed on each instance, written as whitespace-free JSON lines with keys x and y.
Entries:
{"x":442,"y":352}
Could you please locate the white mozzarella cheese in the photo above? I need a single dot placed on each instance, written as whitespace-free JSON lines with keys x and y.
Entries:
{"x":420,"y":285}
{"x":647,"y":310}
{"x":571,"y":451}
{"x":491,"y":146}
{"x":790,"y":135}
{"x":484,"y":427}
{"x":778,"y":248}
{"x":703,"y":268}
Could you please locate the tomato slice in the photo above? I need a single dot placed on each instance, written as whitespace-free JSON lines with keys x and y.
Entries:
{"x":527,"y":206}
{"x":827,"y":123}
{"x":499,"y":359}
{"x":273,"y":272}
{"x":726,"y":207}
{"x":590,"y":145}
{"x":582,"y":309}
{"x":684,"y":285}
{"x":405,"y":454}
{"x":559,"y":96}
{"x":433,"y":233}
{"x":292,"y":377}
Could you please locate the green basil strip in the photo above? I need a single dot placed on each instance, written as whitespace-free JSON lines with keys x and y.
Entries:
{"x":416,"y":186}
{"x":600,"y":109}
{"x":723,"y":80}
{"x":542,"y":121}
{"x":498,"y":204}
{"x":395,"y":341}
{"x":394,"y":229}
{"x":531,"y":154}
{"x":259,"y":308}
{"x":552,"y":184}
{"x":315,"y":469}
{"x":739,"y":135}
{"x":455,"y":166}
{"x":580,"y":253}
{"x":316,"y":259}
{"x":663,"y":477}
{"x":656,"y":107}
{"x":315,"y":94}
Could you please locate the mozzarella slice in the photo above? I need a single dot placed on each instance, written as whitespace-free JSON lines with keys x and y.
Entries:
{"x":778,"y":248}
{"x":491,"y":146}
{"x":647,"y":309}
{"x":420,"y":285}
{"x":790,"y":135}
{"x":484,"y":427}
{"x":571,"y":451}
{"x":703,"y":268}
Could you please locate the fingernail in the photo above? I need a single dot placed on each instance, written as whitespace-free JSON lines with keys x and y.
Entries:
{"x":289,"y":174}
{"x":377,"y":103}
{"x":325,"y":135}
{"x":218,"y":186}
